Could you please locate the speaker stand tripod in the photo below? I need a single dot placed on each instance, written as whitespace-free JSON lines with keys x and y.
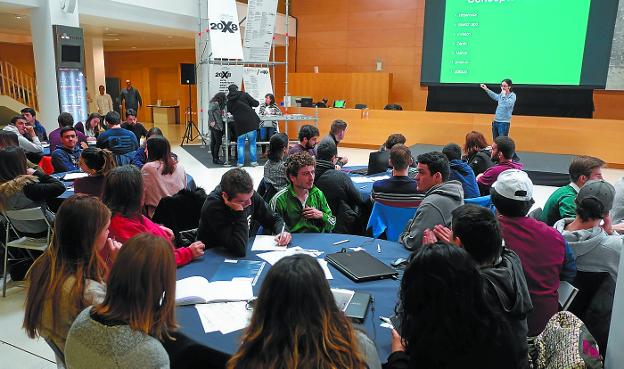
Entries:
{"x":190,"y":125}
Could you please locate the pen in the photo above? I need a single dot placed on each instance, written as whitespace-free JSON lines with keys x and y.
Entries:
{"x":386,"y":320}
{"x":340,"y":242}
{"x":378,"y":248}
{"x":281,"y":233}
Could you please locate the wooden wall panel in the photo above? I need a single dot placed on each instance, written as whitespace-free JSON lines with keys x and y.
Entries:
{"x":357,"y":88}
{"x":21,"y":56}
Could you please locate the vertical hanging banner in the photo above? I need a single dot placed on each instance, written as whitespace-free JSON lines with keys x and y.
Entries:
{"x":225,"y":36}
{"x":257,"y":82}
{"x":259,"y":29}
{"x":221,"y":76}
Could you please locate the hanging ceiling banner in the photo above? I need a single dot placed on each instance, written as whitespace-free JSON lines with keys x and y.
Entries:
{"x":257,"y":82}
{"x":225,"y":36}
{"x":221,"y":76}
{"x":259,"y":30}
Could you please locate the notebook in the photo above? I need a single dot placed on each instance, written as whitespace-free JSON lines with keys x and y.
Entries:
{"x":360,"y":266}
{"x":197,"y":290}
{"x":567,"y":293}
{"x":354,"y":304}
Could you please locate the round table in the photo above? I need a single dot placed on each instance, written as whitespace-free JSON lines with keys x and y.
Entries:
{"x":384,"y":292}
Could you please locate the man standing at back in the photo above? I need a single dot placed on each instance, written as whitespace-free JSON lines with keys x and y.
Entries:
{"x":441,"y":198}
{"x":103,"y":101}
{"x":561,"y":203}
{"x":302,"y":205}
{"x":246,"y":123}
{"x":545,"y":255}
{"x":503,"y":150}
{"x":130,"y":98}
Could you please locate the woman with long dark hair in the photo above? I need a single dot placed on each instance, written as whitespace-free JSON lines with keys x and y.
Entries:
{"x":96,"y":163}
{"x":445,"y":320}
{"x":137,"y":312}
{"x":93,"y":126}
{"x":69,"y":276}
{"x":477,"y":152}
{"x":296,"y":324}
{"x":268,"y":127}
{"x":140,"y":157}
{"x":217,"y":125}
{"x":162,"y":176}
{"x":275,"y":167}
{"x":123,"y":194}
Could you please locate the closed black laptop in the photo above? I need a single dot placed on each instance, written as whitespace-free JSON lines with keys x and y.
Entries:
{"x":360,"y":266}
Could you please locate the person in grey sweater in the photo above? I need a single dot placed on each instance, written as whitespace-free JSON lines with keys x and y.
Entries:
{"x":138,"y":311}
{"x":441,"y":198}
{"x":506,"y":101}
{"x":617,"y":213}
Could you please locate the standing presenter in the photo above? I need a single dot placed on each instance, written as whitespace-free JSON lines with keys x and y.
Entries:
{"x":506,"y":101}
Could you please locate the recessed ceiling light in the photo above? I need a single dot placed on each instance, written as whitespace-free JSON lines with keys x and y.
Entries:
{"x":18,"y":17}
{"x":106,"y":29}
{"x":134,"y":47}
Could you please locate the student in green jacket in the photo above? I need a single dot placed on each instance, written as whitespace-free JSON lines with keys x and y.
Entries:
{"x":561,"y":203}
{"x":302,"y":205}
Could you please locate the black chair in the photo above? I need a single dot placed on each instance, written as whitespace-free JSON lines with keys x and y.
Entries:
{"x":266,"y":190}
{"x":361,"y":106}
{"x":180,"y":212}
{"x":593,"y":303}
{"x":393,"y":107}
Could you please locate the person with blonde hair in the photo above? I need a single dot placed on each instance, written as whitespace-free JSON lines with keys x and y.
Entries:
{"x":138,"y":311}
{"x":69,"y":276}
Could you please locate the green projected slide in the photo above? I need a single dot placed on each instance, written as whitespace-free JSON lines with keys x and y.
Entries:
{"x":529,"y":41}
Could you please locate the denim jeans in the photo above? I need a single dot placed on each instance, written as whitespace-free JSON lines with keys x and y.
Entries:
{"x":240,"y":147}
{"x":266,"y":133}
{"x":500,"y":129}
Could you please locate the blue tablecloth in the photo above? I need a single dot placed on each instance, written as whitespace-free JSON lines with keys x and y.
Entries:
{"x":365,"y":189}
{"x":384,"y":292}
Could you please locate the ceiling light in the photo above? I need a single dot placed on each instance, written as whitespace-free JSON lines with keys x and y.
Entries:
{"x":134,"y":47}
{"x":18,"y":17}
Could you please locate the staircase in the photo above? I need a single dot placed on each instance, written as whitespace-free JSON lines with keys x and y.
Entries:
{"x":17,"y":91}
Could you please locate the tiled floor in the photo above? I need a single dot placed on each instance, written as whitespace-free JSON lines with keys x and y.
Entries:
{"x":18,"y":351}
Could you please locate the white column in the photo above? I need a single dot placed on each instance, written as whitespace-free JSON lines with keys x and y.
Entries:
{"x":202,"y":52}
{"x":94,"y":67}
{"x":42,"y":19}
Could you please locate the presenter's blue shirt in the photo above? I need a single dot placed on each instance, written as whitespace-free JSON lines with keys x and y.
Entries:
{"x":505,"y":105}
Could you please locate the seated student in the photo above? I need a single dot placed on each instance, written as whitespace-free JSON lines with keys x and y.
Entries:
{"x":230,"y":209}
{"x":66,"y":157}
{"x":461,"y":171}
{"x":322,"y":103}
{"x":336,"y":134}
{"x":476,"y":230}
{"x":64,"y":120}
{"x":139,"y":310}
{"x":162,"y":176}
{"x":503,"y":150}
{"x":24,"y":188}
{"x":121,"y":142}
{"x":132,"y":125}
{"x":343,"y":198}
{"x":477,"y":152}
{"x":445,"y":317}
{"x":69,"y":276}
{"x":296,"y":324}
{"x":545,"y":255}
{"x":597,"y":248}
{"x":399,"y":188}
{"x":31,"y":119}
{"x":393,"y":139}
{"x":123,"y":194}
{"x":308,"y":138}
{"x":140,"y":157}
{"x":275,"y":167}
{"x":10,"y":139}
{"x":561,"y":203}
{"x":302,"y":205}
{"x":93,"y":127}
{"x":442,"y":196}
{"x":24,"y":132}
{"x":96,"y":163}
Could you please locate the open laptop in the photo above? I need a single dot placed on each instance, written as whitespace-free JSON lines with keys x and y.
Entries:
{"x":377,"y":163}
{"x":360,"y":266}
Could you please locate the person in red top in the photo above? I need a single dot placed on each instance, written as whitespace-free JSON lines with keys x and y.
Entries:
{"x":123,"y":194}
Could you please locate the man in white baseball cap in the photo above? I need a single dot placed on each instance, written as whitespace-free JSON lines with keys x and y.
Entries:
{"x":546,"y":257}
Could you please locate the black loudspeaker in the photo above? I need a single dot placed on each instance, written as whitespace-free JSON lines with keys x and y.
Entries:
{"x":187,"y":74}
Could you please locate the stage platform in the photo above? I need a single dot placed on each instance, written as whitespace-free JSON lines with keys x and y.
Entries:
{"x":543,"y":169}
{"x":540,"y":136}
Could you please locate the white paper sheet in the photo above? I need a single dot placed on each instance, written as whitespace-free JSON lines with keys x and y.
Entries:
{"x":361,"y":180}
{"x":325,"y":268}
{"x":225,"y":317}
{"x":275,"y":256}
{"x":266,"y":243}
{"x":72,"y":176}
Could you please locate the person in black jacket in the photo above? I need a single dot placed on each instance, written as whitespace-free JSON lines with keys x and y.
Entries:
{"x":246,"y":122}
{"x":477,"y":152}
{"x":229,"y":211}
{"x":342,"y":197}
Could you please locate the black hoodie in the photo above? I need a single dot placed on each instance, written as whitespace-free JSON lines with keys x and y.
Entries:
{"x":507,"y":291}
{"x":245,"y":118}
